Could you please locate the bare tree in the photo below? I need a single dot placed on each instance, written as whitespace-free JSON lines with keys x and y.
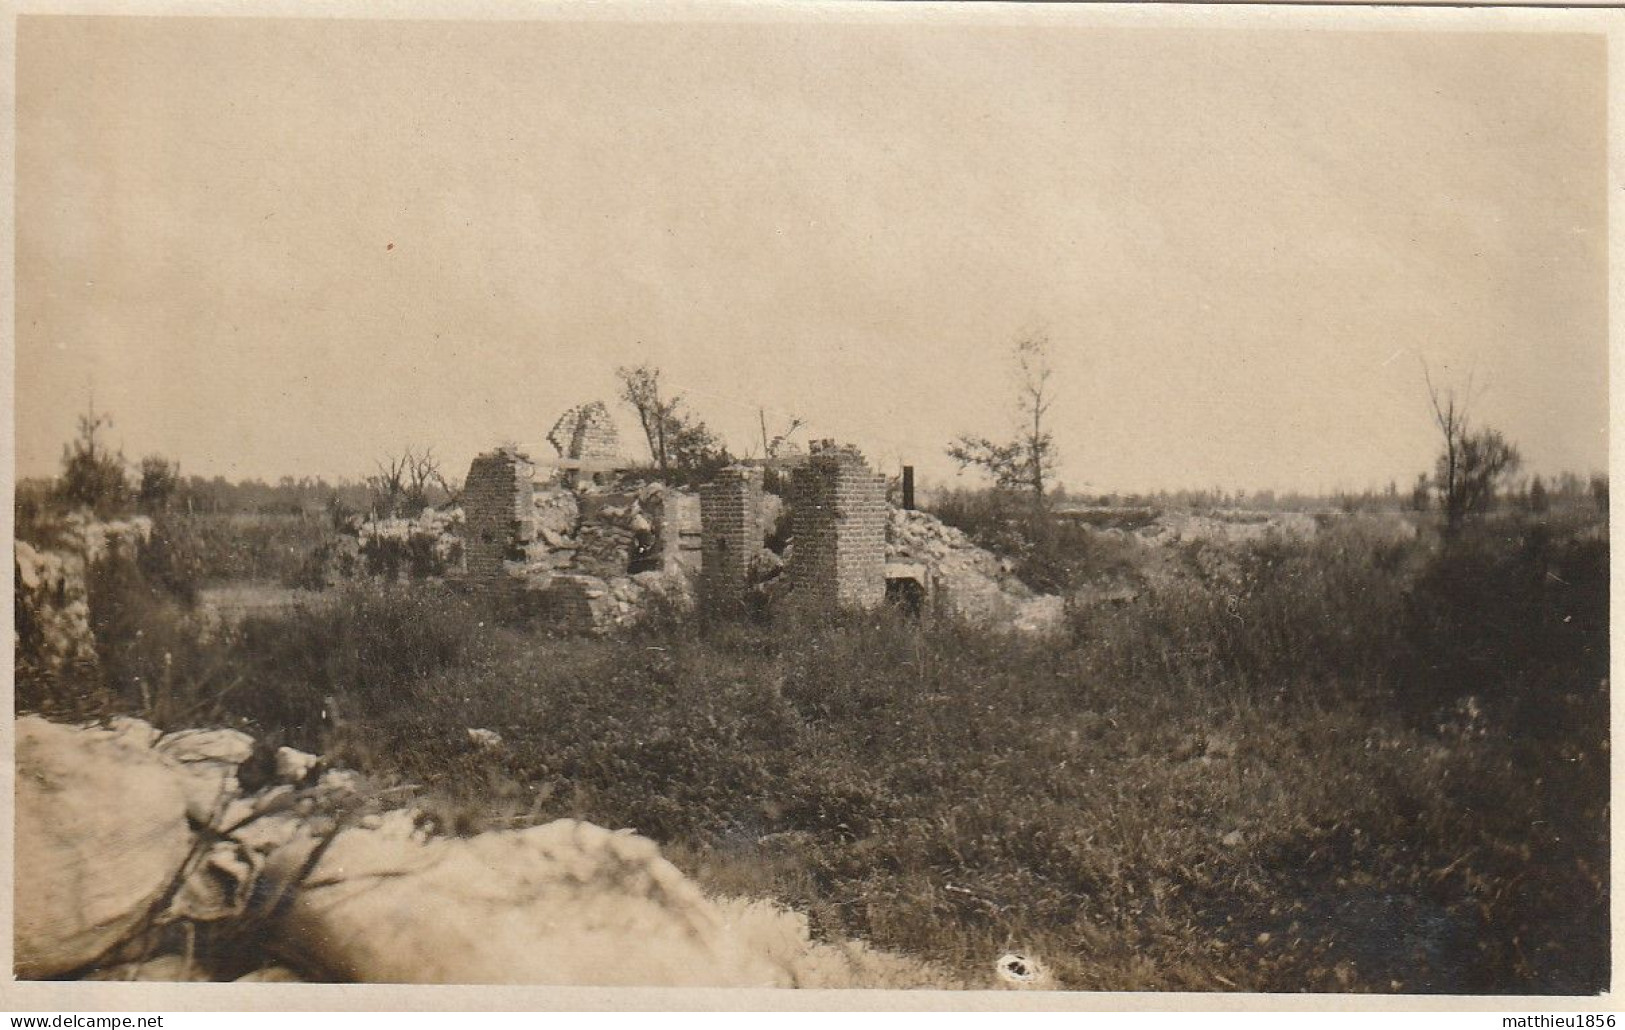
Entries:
{"x":640,"y":388}
{"x":780,"y":443}
{"x":1471,"y":464}
{"x":388,"y":486}
{"x":422,"y":473}
{"x":401,"y":485}
{"x":1027,"y":462}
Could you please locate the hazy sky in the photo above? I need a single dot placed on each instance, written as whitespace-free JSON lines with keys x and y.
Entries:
{"x":282,"y":247}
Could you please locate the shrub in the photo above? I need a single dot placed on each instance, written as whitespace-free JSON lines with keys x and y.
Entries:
{"x":1345,"y":763}
{"x":361,"y":639}
{"x":1514,"y":613}
{"x":225,"y":548}
{"x":1270,"y":618}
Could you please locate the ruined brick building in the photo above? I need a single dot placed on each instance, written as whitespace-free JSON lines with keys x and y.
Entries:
{"x":588,"y":554}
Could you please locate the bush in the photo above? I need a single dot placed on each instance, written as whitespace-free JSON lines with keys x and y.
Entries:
{"x":171,"y":561}
{"x":224,"y":548}
{"x":1267,"y":619}
{"x":1513,"y":613}
{"x":1052,"y":555}
{"x":333,"y":651}
{"x":1343,"y":763}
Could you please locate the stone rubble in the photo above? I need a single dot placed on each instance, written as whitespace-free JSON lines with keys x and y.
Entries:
{"x":966,"y":581}
{"x":52,"y":606}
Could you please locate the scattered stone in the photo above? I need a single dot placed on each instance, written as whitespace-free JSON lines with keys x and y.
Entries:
{"x":966,"y":581}
{"x":488,"y":740}
{"x":293,"y":765}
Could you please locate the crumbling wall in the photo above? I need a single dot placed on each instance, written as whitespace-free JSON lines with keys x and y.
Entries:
{"x":679,"y":532}
{"x":498,"y":512}
{"x":730,"y":511}
{"x":582,"y":558}
{"x":838,"y":525}
{"x":612,"y":531}
{"x":51,"y":606}
{"x":586,"y":432}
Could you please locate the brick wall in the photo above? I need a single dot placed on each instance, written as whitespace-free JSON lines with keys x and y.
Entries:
{"x":731,"y":534}
{"x":838,"y":528}
{"x":498,"y":508}
{"x":586,"y":431}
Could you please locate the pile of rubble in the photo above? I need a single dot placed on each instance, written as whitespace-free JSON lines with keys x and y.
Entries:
{"x":437,"y":525}
{"x":600,"y":556}
{"x":146,"y":856}
{"x":964,"y":580}
{"x":428,"y":544}
{"x":51,"y":604}
{"x":1226,"y":527}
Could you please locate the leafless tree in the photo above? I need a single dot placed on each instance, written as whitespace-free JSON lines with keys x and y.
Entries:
{"x":402,"y":484}
{"x":1028,"y":462}
{"x":640,"y":388}
{"x":778,"y":444}
{"x":1471,"y":464}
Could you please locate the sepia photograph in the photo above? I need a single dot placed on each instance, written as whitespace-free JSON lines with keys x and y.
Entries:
{"x":853,"y":496}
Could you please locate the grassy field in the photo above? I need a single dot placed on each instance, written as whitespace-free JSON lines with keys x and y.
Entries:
{"x":1349,"y":763}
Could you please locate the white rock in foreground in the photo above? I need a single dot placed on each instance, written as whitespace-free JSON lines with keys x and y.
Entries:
{"x":564,"y":903}
{"x":560,"y":904}
{"x":100,"y":832}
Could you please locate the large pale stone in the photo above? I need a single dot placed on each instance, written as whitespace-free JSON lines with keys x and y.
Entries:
{"x":564,"y":903}
{"x":101,"y":832}
{"x":209,"y":759}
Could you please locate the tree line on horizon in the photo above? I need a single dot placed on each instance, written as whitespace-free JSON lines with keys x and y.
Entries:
{"x":1474,"y":470}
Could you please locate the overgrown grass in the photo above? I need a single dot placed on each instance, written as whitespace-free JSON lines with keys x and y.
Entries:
{"x":1347,"y":763}
{"x":222,"y":548}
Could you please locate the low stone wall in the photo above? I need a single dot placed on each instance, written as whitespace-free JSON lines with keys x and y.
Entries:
{"x":51,"y":605}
